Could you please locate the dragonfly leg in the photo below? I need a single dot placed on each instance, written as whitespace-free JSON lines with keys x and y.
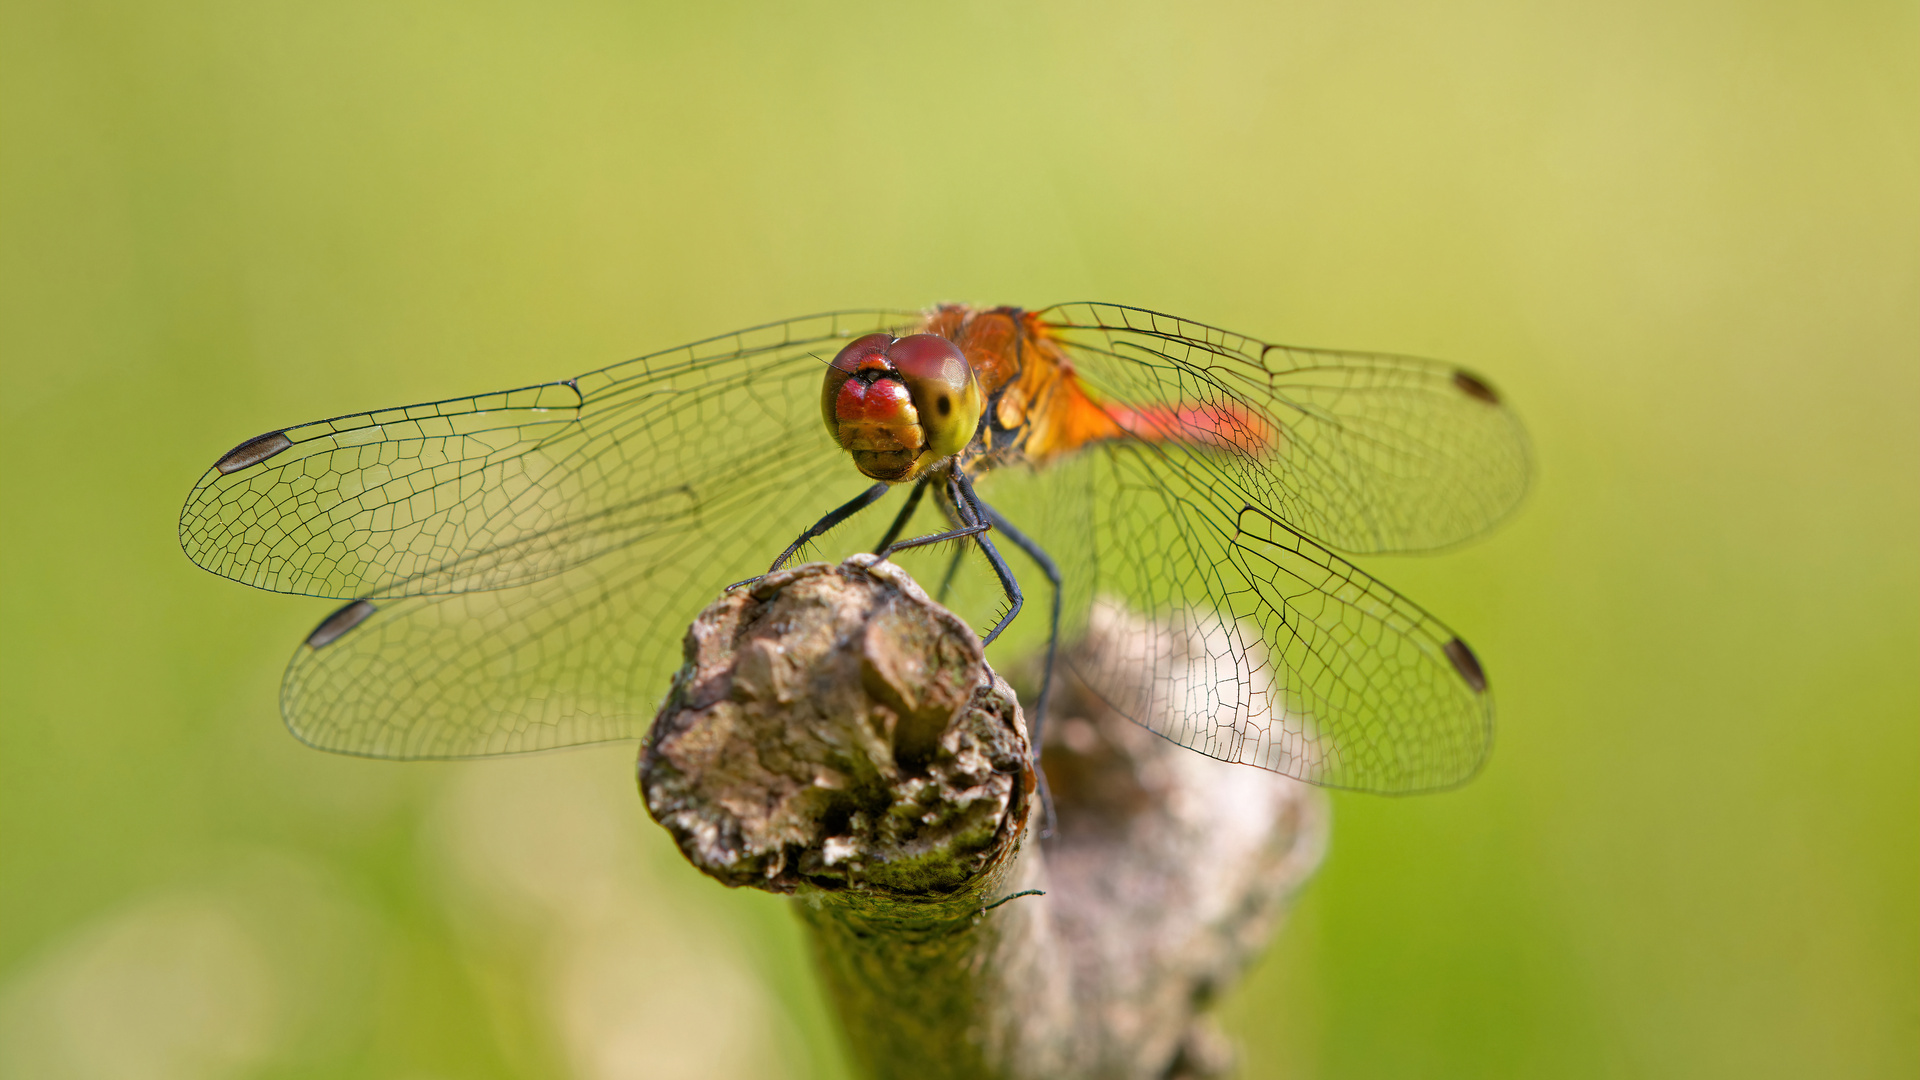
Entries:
{"x":970,"y":525}
{"x":953,"y":569}
{"x":851,"y":507}
{"x":960,"y":533}
{"x":905,"y":515}
{"x":969,"y":507}
{"x":1052,"y":570}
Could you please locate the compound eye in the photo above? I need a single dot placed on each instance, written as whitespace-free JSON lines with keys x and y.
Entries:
{"x":943,"y":387}
{"x":930,"y":357}
{"x":863,"y":352}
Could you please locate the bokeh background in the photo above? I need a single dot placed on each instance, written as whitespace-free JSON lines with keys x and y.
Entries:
{"x":1684,"y":238}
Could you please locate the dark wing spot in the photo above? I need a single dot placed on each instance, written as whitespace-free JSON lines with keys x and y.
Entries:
{"x":253,"y":451}
{"x":1471,"y":386}
{"x":1467,"y":664}
{"x":945,"y":405}
{"x":338,"y":623}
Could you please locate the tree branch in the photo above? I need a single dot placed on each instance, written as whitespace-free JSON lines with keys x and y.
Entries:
{"x":836,"y":735}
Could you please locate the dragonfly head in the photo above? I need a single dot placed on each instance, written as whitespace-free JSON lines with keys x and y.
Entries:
{"x":899,"y":405}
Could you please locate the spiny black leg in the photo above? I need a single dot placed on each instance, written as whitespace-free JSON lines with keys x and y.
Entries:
{"x":969,"y":526}
{"x":1047,"y":567}
{"x":853,"y":506}
{"x":968,"y":506}
{"x":905,"y":515}
{"x":960,"y":533}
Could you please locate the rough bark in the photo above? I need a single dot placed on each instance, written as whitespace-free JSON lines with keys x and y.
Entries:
{"x":836,"y":735}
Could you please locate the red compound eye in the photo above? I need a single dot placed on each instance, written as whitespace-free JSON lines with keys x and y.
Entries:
{"x":928,"y":356}
{"x":866,"y":352}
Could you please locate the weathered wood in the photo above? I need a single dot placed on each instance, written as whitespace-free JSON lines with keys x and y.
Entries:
{"x":836,"y":735}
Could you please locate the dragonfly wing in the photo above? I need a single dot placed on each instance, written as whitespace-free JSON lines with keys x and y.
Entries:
{"x":579,"y":656}
{"x":499,"y":490}
{"x":526,"y":668}
{"x":1256,"y":645}
{"x":1366,"y":452}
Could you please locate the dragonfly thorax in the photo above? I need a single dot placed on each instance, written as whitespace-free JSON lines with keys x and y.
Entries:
{"x":900,"y":405}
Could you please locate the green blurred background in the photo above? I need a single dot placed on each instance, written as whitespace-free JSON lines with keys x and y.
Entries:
{"x":1685,"y":239}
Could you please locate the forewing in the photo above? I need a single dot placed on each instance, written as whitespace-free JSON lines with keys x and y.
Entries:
{"x":1365,"y":452}
{"x":503,"y":489}
{"x":1227,"y":631}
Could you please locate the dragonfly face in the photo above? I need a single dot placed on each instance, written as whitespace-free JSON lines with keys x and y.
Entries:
{"x":516,"y":567}
{"x":900,"y":405}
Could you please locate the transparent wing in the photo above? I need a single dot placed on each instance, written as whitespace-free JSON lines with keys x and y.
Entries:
{"x":1217,"y":625}
{"x":1198,"y":565}
{"x":502,"y":489}
{"x":583,"y":655}
{"x":1365,"y":452}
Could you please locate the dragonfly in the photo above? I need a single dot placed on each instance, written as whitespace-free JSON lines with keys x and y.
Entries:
{"x":517,"y":567}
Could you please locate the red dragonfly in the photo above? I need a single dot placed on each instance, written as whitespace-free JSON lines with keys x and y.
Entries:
{"x":518,"y":566}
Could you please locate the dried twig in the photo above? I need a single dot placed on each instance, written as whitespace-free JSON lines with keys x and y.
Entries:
{"x":836,"y":735}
